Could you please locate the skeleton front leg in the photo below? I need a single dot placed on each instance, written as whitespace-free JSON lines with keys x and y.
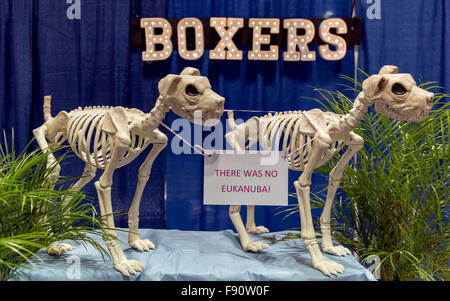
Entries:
{"x":302,"y":187}
{"x":246,"y":242}
{"x":355,"y":143}
{"x":120,"y":262}
{"x":159,"y":143}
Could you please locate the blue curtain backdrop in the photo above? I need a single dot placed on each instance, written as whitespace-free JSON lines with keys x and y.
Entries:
{"x":88,"y":61}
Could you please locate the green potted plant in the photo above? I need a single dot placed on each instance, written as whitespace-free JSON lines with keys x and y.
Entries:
{"x":33,"y":213}
{"x":393,"y":204}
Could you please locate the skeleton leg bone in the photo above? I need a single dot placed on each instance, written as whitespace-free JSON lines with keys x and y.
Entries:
{"x":134,"y":240}
{"x":355,"y":143}
{"x":238,"y":138}
{"x":40,"y":134}
{"x":57,"y":248}
{"x":307,"y":228}
{"x":89,"y":173}
{"x":250,"y":223}
{"x":103,"y":186}
{"x":246,"y":242}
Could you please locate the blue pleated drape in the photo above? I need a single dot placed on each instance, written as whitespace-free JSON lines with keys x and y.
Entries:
{"x":89,"y":62}
{"x":80,"y":62}
{"x":414,"y":35}
{"x":253,"y":85}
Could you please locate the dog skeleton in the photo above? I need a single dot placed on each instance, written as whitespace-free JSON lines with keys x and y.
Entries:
{"x":112,"y":137}
{"x":312,"y":138}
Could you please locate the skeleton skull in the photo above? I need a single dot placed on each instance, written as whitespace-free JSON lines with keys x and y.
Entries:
{"x":397,"y":96}
{"x":190,"y":93}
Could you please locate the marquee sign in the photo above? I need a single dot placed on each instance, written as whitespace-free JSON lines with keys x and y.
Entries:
{"x":263,"y":37}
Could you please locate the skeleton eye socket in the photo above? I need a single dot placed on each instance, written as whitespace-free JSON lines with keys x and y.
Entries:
{"x":398,"y":89}
{"x":191,"y":90}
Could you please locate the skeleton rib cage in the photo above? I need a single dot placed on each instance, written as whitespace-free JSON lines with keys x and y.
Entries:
{"x":285,"y":131}
{"x":91,"y":144}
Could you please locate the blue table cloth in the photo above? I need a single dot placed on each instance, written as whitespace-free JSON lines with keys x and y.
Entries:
{"x":195,"y":255}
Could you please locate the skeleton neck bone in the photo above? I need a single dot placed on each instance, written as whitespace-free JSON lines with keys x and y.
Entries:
{"x":157,"y":114}
{"x":352,"y":119}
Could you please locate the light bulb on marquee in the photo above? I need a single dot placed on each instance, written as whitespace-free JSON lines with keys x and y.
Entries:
{"x":300,"y":41}
{"x":332,"y":39}
{"x":199,"y":47}
{"x":226,"y":38}
{"x":152,"y":39}
{"x":262,"y":39}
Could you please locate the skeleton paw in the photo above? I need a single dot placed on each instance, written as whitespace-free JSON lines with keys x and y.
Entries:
{"x":337,"y":250}
{"x":142,"y":245}
{"x":258,"y":230}
{"x":128,"y":267}
{"x":329,"y":267}
{"x":59,"y":248}
{"x":255,"y":246}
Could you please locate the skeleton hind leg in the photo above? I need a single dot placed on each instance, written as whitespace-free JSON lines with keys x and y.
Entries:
{"x":56,"y":248}
{"x":89,"y":173}
{"x":246,"y":242}
{"x":40,"y":134}
{"x":250,"y":224}
{"x":238,"y":139}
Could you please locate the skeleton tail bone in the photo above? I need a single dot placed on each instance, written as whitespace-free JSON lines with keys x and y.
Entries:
{"x":231,"y":137}
{"x":47,"y":107}
{"x":231,"y":121}
{"x":59,"y":138}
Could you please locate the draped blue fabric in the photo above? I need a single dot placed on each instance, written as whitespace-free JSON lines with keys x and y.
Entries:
{"x":194,"y":256}
{"x":249,"y":85}
{"x":89,"y":62}
{"x":414,"y":35}
{"x":80,"y":63}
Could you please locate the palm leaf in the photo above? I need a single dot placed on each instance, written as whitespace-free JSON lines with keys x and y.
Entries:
{"x":33,"y":214}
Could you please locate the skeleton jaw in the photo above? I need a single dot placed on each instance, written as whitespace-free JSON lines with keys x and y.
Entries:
{"x":410,"y":114}
{"x":212,"y":122}
{"x":199,"y":116}
{"x":212,"y":118}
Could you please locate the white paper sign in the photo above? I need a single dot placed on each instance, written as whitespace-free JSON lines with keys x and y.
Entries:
{"x":245,"y":178}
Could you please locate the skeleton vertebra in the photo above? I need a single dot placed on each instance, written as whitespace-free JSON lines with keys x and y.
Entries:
{"x":312,"y":138}
{"x":111,"y":137}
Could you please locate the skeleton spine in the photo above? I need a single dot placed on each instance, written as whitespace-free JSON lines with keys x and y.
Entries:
{"x":157,"y":114}
{"x":351,"y":120}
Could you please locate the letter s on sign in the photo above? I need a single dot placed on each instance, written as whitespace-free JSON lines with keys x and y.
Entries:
{"x":337,"y":41}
